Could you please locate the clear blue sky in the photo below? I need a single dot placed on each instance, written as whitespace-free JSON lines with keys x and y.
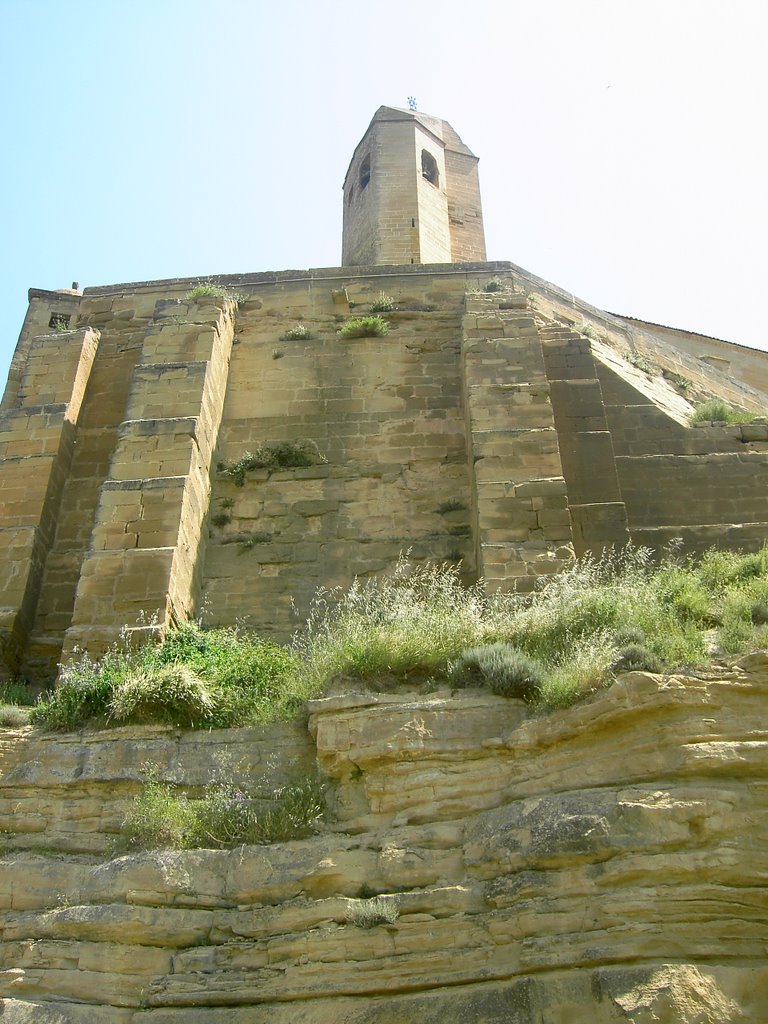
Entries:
{"x":622,"y":144}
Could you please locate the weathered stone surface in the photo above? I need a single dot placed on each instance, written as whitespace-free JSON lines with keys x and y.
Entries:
{"x":604,"y":863}
{"x":491,"y":405}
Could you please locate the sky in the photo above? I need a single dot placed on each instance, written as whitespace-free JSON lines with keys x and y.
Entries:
{"x":622,"y":143}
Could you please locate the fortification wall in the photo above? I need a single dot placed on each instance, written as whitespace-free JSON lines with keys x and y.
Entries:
{"x":731,"y":361}
{"x":480,"y":430}
{"x":386,"y":416}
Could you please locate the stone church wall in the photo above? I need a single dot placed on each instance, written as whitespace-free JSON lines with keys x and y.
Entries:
{"x":486,"y":428}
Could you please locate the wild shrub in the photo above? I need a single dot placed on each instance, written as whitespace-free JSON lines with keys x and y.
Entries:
{"x":226,"y":815}
{"x":585,"y":328}
{"x":681,"y":588}
{"x":719,"y":570}
{"x":160,"y":818}
{"x":641,"y":362}
{"x":198,"y":678}
{"x":736,"y":635}
{"x":599,"y":598}
{"x":247,"y":539}
{"x":636,"y":658}
{"x":12,"y":716}
{"x":715,"y":410}
{"x":296,"y":811}
{"x":364,"y":327}
{"x":279,"y":455}
{"x":744,"y":616}
{"x":584,"y":625}
{"x":81,"y":698}
{"x":504,"y":669}
{"x":450,"y":506}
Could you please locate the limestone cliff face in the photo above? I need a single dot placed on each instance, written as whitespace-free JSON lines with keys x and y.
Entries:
{"x":602,"y":864}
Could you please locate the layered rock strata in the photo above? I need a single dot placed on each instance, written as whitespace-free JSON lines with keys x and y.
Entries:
{"x":605,"y":863}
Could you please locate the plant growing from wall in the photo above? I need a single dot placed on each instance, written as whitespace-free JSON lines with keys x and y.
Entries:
{"x":643,"y":364}
{"x":683,"y":384}
{"x":384,"y":304}
{"x":586,"y":329}
{"x":247,"y":540}
{"x":279,"y":455}
{"x":494,"y":285}
{"x":463,"y":530}
{"x":364,"y":327}
{"x":715,"y":410}
{"x":210,"y":290}
{"x":298,"y":333}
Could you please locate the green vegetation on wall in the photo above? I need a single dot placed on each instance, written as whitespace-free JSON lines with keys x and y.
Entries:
{"x":280,"y":455}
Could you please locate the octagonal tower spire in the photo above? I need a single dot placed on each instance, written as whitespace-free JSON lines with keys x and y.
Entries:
{"x":411,"y":194}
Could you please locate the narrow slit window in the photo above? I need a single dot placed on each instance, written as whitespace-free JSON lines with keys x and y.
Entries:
{"x":429,"y":169}
{"x":365,"y":172}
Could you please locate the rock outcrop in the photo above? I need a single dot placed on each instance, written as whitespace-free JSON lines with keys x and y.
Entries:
{"x":605,"y":863}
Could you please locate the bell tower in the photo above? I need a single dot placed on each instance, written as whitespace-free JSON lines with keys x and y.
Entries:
{"x":411,"y":194}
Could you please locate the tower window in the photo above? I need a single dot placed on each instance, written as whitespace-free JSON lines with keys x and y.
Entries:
{"x":365,"y":171}
{"x":429,"y":169}
{"x":60,"y":321}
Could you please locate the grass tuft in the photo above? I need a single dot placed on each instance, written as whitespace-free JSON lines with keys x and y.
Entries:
{"x":209,"y":290}
{"x":409,"y":623}
{"x":372,"y":912}
{"x":715,"y":410}
{"x":168,"y":693}
{"x":12,"y":716}
{"x":17,"y":693}
{"x":642,"y":363}
{"x":364,"y":327}
{"x":636,"y":658}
